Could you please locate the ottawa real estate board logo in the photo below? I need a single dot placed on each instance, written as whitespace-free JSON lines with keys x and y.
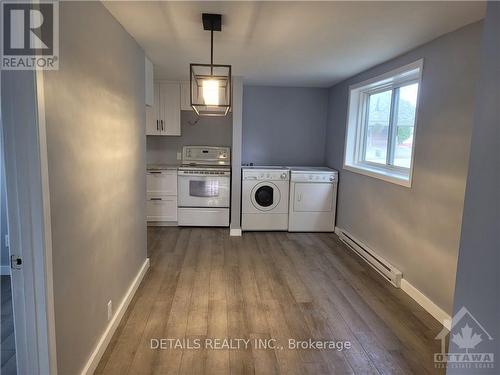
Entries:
{"x":470,"y":345}
{"x":30,"y":35}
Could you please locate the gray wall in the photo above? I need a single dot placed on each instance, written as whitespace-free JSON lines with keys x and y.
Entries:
{"x":284,"y":125}
{"x":417,"y":229}
{"x":95,"y":115}
{"x":209,"y":131}
{"x":479,"y":258}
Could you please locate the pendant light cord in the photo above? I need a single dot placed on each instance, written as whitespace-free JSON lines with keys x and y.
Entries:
{"x":212,"y":50}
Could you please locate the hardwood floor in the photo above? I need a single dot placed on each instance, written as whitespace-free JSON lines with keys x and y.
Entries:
{"x":203,"y":284}
{"x":7,"y":344}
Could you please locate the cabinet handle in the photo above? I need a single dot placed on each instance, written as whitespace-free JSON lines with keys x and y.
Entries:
{"x":156,"y":199}
{"x":154,"y":172}
{"x":162,"y":125}
{"x":157,"y":125}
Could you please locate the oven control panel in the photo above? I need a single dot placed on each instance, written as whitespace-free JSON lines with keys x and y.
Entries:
{"x":206,"y":155}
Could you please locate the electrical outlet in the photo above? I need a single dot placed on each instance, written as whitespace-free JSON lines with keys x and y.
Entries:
{"x":179,"y":155}
{"x":110,"y":310}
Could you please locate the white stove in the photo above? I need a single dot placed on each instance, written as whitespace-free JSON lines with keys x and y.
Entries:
{"x":204,"y":186}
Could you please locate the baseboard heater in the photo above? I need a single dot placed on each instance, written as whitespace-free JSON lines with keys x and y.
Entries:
{"x":382,"y":266}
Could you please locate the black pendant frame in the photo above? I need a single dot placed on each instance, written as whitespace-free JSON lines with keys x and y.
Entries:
{"x":200,"y":72}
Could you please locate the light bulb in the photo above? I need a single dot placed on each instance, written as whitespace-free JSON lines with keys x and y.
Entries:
{"x":211,"y":91}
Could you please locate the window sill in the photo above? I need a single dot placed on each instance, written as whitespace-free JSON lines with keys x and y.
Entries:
{"x":392,"y":176}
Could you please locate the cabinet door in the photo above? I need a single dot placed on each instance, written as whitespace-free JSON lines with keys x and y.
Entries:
{"x":162,"y":181}
{"x":170,"y":108}
{"x":149,"y":99}
{"x":161,"y":208}
{"x":186,"y":96}
{"x":313,"y":197}
{"x":153,"y":127}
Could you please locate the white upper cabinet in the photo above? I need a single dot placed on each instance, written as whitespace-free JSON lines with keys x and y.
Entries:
{"x":156,"y":109}
{"x":170,"y":120}
{"x":149,"y":83}
{"x":185,"y":96}
{"x":165,"y":117}
{"x":150,"y":120}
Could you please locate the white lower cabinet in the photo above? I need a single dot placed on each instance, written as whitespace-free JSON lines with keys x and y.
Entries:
{"x":161,"y":208}
{"x":162,"y":181}
{"x":161,"y":204}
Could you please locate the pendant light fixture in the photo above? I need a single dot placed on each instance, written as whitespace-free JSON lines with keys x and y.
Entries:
{"x":211,"y":83}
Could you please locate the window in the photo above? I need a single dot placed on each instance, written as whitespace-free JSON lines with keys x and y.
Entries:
{"x":381,"y":125}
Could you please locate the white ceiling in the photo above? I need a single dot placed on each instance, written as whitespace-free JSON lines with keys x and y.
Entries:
{"x":288,"y":43}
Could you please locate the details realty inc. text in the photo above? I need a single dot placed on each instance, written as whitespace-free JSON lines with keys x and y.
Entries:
{"x":244,"y":343}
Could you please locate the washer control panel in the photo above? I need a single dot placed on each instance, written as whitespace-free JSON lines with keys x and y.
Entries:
{"x":266,"y":175}
{"x":315,"y":177}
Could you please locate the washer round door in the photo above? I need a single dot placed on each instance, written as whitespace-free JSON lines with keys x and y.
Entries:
{"x":265,"y":196}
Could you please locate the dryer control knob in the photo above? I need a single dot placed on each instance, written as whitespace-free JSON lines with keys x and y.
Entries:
{"x":332,"y":178}
{"x":283,"y":176}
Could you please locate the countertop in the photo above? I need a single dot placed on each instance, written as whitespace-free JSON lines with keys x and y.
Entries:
{"x":162,"y":167}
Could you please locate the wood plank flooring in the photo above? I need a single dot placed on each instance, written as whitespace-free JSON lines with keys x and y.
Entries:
{"x":7,"y":343}
{"x":203,"y":284}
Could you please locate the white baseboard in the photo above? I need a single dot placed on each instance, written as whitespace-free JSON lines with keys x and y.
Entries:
{"x":235,"y":232}
{"x":4,"y":270}
{"x":424,"y":301}
{"x":439,"y":314}
{"x":113,"y":324}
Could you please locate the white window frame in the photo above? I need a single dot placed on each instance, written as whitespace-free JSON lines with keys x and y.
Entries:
{"x":356,"y":124}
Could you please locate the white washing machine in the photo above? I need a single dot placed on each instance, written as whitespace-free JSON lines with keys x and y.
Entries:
{"x":264,"y":197}
{"x":313,"y":199}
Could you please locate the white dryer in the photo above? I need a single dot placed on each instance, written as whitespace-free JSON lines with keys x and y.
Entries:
{"x":264,"y":197}
{"x":313,"y":199}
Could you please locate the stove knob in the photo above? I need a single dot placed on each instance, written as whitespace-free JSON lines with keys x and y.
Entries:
{"x":283,"y":176}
